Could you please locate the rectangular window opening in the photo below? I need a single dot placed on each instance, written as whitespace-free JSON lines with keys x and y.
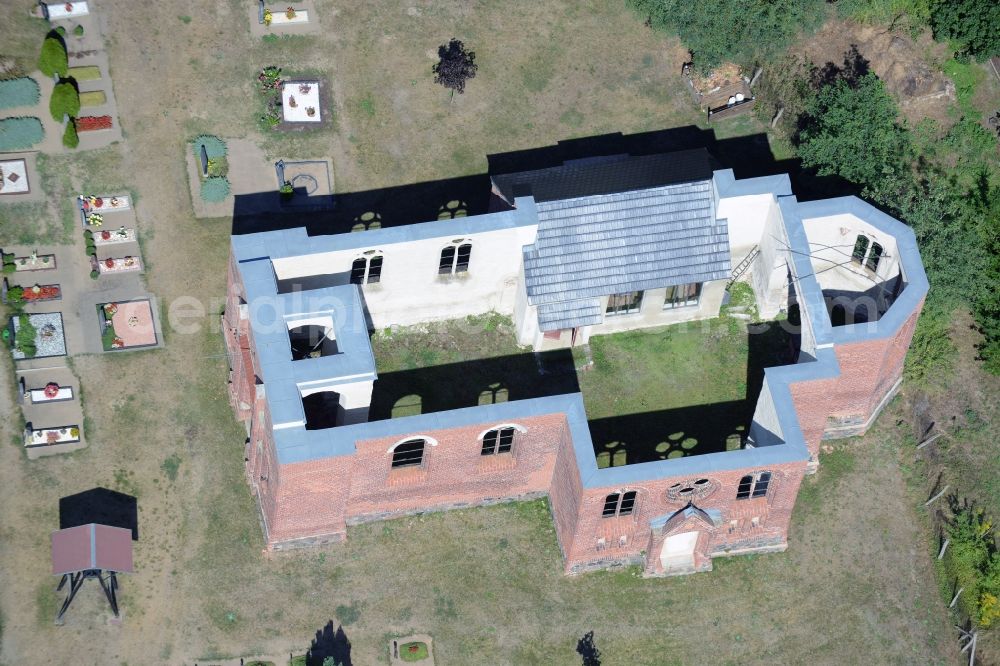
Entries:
{"x":628,"y":303}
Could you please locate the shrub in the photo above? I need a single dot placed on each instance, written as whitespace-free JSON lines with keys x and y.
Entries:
{"x":53,"y":59}
{"x":214,"y":146}
{"x":214,"y":189}
{"x":70,"y":138}
{"x":20,"y":133}
{"x":78,"y":31}
{"x":61,"y":30}
{"x":286,"y":190}
{"x":15,"y":295}
{"x":94,"y":275}
{"x":24,"y":340}
{"x":65,"y":101}
{"x":19,"y":92}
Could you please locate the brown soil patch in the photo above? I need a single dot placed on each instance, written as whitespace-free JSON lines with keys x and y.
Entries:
{"x":910,"y":68}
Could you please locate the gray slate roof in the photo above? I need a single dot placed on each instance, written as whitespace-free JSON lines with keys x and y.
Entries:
{"x":593,"y":246}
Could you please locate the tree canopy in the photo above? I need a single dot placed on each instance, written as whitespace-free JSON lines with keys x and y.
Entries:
{"x":455,"y":67}
{"x":53,"y":59}
{"x":716,"y":31}
{"x":973,"y":23}
{"x":851,"y":131}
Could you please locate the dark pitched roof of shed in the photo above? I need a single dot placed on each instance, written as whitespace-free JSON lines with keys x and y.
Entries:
{"x":605,"y":175}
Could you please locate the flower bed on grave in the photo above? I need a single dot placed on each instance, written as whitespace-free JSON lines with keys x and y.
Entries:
{"x":36,"y":262}
{"x":287,"y":16}
{"x":41,"y":292}
{"x":119,"y":265}
{"x":300,"y":102}
{"x":51,"y":393}
{"x":93,"y":123}
{"x":104,"y":203}
{"x":65,"y":10}
{"x":50,"y":436}
{"x":108,"y":237}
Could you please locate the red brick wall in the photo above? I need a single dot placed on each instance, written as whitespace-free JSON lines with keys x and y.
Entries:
{"x":454,"y":472}
{"x":772,"y":511}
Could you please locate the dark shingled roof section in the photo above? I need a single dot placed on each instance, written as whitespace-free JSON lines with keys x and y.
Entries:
{"x":606,"y":175}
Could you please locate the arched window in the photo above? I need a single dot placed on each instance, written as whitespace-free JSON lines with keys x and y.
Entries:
{"x":619,"y":504}
{"x":753,"y":485}
{"x":498,"y":440}
{"x":874,"y":257}
{"x":860,"y":249}
{"x":455,"y":259}
{"x":409,"y":453}
{"x":367,"y":270}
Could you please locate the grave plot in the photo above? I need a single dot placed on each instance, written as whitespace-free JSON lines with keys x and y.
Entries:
{"x":36,"y":335}
{"x":126,"y":325}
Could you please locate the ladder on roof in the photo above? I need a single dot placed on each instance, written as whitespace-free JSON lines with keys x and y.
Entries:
{"x":743,"y":265}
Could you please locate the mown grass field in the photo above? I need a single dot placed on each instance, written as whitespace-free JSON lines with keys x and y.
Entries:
{"x":486,"y":584}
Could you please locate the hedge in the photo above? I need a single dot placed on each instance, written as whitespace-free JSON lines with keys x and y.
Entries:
{"x":70,"y":138}
{"x":53,"y":59}
{"x":214,"y":190}
{"x":18,"y":92}
{"x":214,"y":146}
{"x":65,"y":101}
{"x":20,"y":133}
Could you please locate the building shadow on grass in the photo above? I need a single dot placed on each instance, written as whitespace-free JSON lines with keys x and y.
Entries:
{"x":329,"y":642}
{"x":749,"y":156}
{"x":102,"y":506}
{"x":697,"y":429}
{"x":484,"y":381}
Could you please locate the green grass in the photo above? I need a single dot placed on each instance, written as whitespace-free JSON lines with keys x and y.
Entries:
{"x":415,"y":651}
{"x":93,"y":98}
{"x":171,"y":465}
{"x":966,"y":77}
{"x":85,"y":73}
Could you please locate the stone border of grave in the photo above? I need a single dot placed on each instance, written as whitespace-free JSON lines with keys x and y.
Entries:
{"x":394,"y":645}
{"x":255,"y":14}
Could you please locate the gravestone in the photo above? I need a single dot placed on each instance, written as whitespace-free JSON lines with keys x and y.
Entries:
{"x":203,"y":154}
{"x":260,"y":11}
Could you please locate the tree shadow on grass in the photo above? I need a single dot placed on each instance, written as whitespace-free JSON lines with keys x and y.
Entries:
{"x":329,"y":642}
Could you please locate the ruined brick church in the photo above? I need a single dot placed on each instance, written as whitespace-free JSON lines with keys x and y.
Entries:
{"x":588,"y":247}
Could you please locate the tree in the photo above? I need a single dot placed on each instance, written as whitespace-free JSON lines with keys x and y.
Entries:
{"x":852,"y":132}
{"x":53,"y":59}
{"x":70,"y":138}
{"x":65,"y":101}
{"x":456,"y":66}
{"x":716,"y":31}
{"x":975,"y":24}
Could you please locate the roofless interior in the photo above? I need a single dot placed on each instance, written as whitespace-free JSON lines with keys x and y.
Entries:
{"x":655,"y":394}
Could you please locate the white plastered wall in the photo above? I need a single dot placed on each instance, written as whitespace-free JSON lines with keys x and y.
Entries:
{"x":746,"y":217}
{"x":769,"y":273}
{"x":831,"y":242}
{"x":411,"y":291}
